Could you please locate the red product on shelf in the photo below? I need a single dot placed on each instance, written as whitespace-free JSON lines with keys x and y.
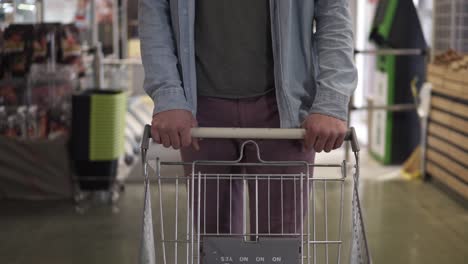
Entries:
{"x":42,"y":121}
{"x":12,"y":92}
{"x":8,"y":94}
{"x":2,"y":70}
{"x":45,"y":42}
{"x":70,"y":52}
{"x":17,"y":49}
{"x":3,"y":120}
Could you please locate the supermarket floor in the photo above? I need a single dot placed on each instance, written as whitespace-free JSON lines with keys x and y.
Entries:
{"x":407,"y":222}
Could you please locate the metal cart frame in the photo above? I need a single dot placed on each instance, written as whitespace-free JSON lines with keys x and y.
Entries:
{"x":316,"y":237}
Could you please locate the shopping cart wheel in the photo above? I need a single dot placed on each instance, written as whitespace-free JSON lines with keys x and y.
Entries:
{"x":129,"y":159}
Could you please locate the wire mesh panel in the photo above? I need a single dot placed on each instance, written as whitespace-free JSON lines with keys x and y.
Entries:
{"x":205,"y":215}
{"x":451,"y":25}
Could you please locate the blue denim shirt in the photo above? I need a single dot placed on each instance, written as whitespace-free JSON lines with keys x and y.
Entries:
{"x":314,"y":69}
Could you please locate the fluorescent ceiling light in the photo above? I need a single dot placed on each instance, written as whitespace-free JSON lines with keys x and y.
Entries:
{"x":7,"y":7}
{"x":27,"y":7}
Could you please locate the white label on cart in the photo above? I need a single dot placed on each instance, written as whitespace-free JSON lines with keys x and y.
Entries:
{"x":229,"y":250}
{"x":227,"y":259}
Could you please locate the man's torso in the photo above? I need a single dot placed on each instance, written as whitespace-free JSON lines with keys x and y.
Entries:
{"x":233,"y":48}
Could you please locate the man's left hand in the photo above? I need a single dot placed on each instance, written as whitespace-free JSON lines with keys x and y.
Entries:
{"x":323,"y":132}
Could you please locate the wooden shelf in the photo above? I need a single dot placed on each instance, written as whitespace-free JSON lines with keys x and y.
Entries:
{"x":447,"y":142}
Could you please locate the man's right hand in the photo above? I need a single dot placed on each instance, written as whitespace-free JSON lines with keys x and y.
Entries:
{"x":172,"y":129}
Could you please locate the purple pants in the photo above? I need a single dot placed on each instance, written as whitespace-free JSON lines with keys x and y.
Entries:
{"x":278,"y":201}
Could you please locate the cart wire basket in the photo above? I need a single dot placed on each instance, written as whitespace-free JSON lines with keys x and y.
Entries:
{"x":278,"y":217}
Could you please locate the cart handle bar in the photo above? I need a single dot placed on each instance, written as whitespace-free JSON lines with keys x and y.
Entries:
{"x":251,"y":133}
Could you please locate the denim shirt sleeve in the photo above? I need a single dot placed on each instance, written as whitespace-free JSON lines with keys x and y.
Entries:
{"x":336,"y":73}
{"x":159,"y":55}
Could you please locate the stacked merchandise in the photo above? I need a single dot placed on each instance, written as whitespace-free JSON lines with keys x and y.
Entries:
{"x":447,"y":144}
{"x":15,"y":64}
{"x":39,"y":67}
{"x":39,"y":70}
{"x":24,"y":123}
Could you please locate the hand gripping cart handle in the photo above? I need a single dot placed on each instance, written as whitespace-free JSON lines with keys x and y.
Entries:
{"x":184,"y":240}
{"x":250,"y":133}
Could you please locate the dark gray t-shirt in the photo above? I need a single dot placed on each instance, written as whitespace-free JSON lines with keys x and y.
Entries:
{"x":233,"y":45}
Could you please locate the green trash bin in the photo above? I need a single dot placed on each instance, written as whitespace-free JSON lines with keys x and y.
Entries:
{"x":97,"y":140}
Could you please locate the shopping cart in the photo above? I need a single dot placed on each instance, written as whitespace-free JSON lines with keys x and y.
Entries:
{"x":319,"y":234}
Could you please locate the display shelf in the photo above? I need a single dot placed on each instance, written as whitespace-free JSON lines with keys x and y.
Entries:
{"x":447,"y":141}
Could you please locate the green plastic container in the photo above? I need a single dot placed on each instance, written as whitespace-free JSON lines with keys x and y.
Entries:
{"x":97,"y":141}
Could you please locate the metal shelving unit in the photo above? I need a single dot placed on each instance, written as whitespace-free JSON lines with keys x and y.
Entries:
{"x":450,"y":25}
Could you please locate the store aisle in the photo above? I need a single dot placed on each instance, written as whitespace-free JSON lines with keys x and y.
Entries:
{"x":407,"y":222}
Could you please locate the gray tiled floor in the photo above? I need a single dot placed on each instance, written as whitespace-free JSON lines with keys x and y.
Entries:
{"x":407,"y":222}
